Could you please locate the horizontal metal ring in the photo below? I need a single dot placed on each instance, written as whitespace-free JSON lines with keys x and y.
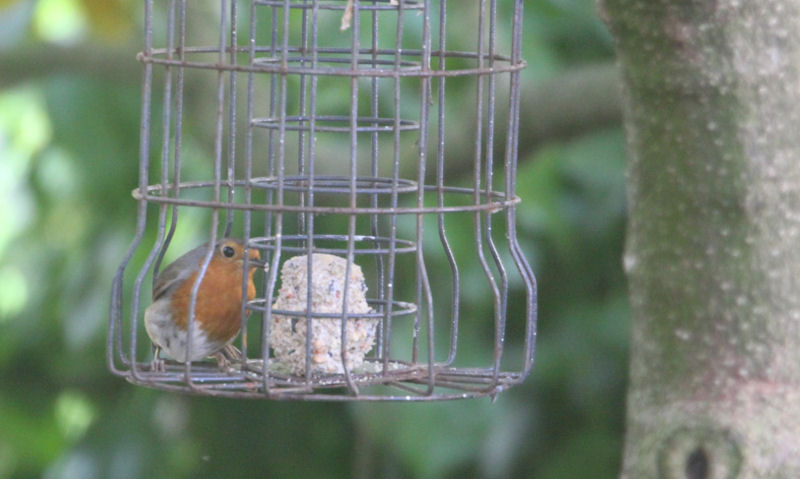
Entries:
{"x":399,"y":308}
{"x":497,"y":64}
{"x":407,"y":5}
{"x":363,"y":244}
{"x":325,"y":123}
{"x":499,"y":201}
{"x":329,"y":184}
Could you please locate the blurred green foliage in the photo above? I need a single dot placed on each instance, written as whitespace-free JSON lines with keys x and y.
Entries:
{"x":68,"y":160}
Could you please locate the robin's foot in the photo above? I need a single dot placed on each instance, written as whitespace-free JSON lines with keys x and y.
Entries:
{"x":229,"y":355}
{"x":157,"y":365}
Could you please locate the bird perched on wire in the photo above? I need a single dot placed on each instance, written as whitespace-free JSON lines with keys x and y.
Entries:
{"x":217,"y":311}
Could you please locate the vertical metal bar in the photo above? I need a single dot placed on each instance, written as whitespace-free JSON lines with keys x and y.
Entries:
{"x":231,"y":160}
{"x":144,"y":171}
{"x":114,"y":348}
{"x":165,"y":135}
{"x":248,"y":174}
{"x":478,"y":229}
{"x":273,"y":102}
{"x":178,"y":143}
{"x":270,"y":257}
{"x":281,"y":167}
{"x":501,"y":301}
{"x":512,"y":152}
{"x":389,"y":288}
{"x":448,"y":250}
{"x":157,"y":249}
{"x":137,"y":288}
{"x":351,"y":229}
{"x":423,"y":282}
{"x":375,"y":171}
{"x":218,"y":140}
{"x":302,"y":113}
{"x":309,"y":226}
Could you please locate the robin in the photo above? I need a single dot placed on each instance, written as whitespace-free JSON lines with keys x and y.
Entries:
{"x":217,"y":309}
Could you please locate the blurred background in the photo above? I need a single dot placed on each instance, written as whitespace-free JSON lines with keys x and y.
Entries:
{"x":70,"y":91}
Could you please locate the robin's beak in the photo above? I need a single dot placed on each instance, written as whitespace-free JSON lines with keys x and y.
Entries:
{"x":256,"y":263}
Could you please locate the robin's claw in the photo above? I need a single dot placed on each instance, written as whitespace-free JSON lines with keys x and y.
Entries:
{"x":157,"y":365}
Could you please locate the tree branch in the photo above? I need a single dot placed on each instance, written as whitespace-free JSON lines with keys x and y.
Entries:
{"x":577,"y":101}
{"x":116,"y":64}
{"x":568,"y":105}
{"x":711,"y":95}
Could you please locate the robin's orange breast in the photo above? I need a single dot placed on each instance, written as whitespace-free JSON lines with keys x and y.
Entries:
{"x":219,"y":300}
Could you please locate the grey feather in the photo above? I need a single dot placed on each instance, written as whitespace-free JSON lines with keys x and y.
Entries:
{"x":180,"y":269}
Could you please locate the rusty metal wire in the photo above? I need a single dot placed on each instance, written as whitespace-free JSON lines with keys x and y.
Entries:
{"x":386,"y":207}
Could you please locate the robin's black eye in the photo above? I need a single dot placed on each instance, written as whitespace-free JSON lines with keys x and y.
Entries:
{"x":228,"y":251}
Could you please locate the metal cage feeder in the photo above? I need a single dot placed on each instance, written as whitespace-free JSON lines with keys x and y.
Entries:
{"x":388,"y":210}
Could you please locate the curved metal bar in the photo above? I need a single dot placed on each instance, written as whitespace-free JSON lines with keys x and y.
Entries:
{"x":283,"y":68}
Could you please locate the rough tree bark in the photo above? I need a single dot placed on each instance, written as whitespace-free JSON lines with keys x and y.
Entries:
{"x":711,"y":92}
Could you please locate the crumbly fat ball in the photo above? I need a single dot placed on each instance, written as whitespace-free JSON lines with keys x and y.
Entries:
{"x":288,"y":333}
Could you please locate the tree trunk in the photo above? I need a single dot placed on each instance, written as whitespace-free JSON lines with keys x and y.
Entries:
{"x":711,"y":93}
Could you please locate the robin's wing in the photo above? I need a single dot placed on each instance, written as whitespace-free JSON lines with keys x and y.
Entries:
{"x":183,"y":267}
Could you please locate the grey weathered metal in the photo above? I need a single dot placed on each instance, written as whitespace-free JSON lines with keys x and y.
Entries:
{"x":386,"y":207}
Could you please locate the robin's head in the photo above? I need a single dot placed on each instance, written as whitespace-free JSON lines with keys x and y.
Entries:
{"x":232,"y":250}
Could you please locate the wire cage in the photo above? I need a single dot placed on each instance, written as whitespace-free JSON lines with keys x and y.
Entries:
{"x":384,"y":222}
